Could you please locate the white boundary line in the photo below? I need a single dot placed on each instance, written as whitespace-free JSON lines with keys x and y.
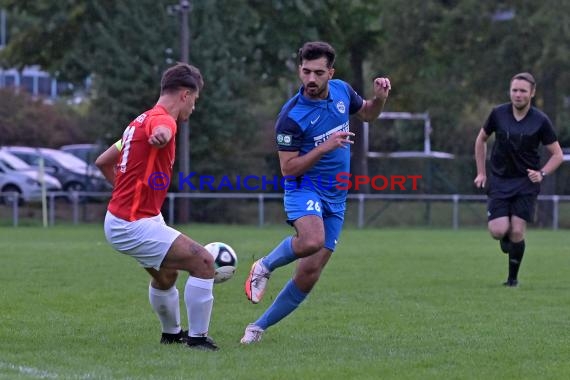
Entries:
{"x":40,"y":374}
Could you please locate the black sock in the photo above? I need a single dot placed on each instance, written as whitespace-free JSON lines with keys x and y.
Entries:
{"x":505,"y":243}
{"x":516,"y":254}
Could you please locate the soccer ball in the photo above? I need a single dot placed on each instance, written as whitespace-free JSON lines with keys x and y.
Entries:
{"x":225,"y":261}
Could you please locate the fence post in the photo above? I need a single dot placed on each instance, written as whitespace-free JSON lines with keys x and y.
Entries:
{"x":170,"y":209}
{"x":455,"y":211}
{"x":15,"y":212}
{"x":360,"y":210}
{"x":555,"y":204}
{"x":51,"y":209}
{"x":75,"y":204}
{"x":261,"y":210}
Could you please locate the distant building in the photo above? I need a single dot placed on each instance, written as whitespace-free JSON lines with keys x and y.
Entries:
{"x":31,"y":79}
{"x":34,"y":81}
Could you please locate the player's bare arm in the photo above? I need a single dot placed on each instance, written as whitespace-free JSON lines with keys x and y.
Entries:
{"x":372,"y":108}
{"x":106,"y":162}
{"x":294,"y":165}
{"x":556,"y":158}
{"x":160,"y":136}
{"x":480,"y":156}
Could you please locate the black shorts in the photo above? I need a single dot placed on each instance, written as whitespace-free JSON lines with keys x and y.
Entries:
{"x":522,"y":206}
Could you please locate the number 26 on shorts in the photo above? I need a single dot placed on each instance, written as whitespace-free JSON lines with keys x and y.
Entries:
{"x":313,"y":206}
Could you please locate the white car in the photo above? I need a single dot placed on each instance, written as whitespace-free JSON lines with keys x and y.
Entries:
{"x":18,"y":177}
{"x":72,"y":172}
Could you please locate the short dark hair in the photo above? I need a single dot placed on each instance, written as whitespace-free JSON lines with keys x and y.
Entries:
{"x":525,"y":76}
{"x":315,"y":50}
{"x":181,"y":75}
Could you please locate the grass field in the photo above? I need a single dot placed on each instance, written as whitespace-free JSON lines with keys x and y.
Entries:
{"x":392,"y":304}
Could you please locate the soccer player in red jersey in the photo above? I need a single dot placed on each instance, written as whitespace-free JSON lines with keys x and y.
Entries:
{"x":134,"y":224}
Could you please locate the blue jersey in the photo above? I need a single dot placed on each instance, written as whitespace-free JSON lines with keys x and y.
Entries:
{"x":304,"y":123}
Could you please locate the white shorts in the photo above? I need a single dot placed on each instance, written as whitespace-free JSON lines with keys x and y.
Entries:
{"x":147,"y":240}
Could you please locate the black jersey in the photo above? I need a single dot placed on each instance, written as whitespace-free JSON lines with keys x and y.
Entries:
{"x":516,"y":142}
{"x":516,"y":150}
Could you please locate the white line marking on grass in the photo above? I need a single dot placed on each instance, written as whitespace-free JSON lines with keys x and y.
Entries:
{"x":40,"y":374}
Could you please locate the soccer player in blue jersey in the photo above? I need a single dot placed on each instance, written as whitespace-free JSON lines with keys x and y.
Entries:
{"x":313,"y":140}
{"x":516,"y":173}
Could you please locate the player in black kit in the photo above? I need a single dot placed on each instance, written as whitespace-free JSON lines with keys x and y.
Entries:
{"x":516,"y":174}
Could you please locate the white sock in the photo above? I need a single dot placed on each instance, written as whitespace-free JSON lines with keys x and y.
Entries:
{"x":166,"y":305}
{"x":199,"y":301}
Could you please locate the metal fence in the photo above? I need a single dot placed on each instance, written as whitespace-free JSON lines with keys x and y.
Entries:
{"x":360,"y":205}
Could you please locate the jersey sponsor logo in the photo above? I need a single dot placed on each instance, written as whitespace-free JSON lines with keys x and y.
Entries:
{"x":324,"y":137}
{"x":285,"y":140}
{"x":340,"y":107}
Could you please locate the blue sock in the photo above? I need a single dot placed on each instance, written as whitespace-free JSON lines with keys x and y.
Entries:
{"x":282,"y":255}
{"x":286,"y":302}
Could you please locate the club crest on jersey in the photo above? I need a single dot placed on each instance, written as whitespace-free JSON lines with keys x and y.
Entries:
{"x":284,"y":139}
{"x":340,"y":107}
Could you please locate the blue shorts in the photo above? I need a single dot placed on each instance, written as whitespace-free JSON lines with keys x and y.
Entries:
{"x":302,"y":202}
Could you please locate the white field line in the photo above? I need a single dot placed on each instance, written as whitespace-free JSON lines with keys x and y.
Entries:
{"x":40,"y":374}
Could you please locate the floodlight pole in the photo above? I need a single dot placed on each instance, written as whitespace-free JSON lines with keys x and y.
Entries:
{"x":184,"y":155}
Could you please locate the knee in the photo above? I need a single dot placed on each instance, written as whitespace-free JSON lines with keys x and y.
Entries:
{"x":165,"y":280}
{"x":516,"y":235}
{"x":309,"y":245}
{"x":498,"y":233}
{"x":203,"y":267}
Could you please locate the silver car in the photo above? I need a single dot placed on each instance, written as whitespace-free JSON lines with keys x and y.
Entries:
{"x":18,"y":177}
{"x":72,"y":172}
{"x":86,"y":152}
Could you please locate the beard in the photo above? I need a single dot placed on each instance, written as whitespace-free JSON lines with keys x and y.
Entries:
{"x":314,"y":91}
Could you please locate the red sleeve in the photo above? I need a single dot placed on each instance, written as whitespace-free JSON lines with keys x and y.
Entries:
{"x":165,"y":120}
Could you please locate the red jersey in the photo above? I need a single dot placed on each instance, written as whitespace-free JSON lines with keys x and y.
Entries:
{"x":143,"y":171}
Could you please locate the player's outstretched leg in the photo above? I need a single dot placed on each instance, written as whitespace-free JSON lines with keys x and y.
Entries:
{"x":252,"y":334}
{"x":261,"y":270}
{"x":285,"y":303}
{"x":256,"y":281}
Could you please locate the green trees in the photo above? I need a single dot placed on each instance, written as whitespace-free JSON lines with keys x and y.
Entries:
{"x":28,"y":121}
{"x":451,"y":58}
{"x":455,"y":59}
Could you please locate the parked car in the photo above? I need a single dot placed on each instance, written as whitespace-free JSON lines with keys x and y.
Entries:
{"x":18,"y":177}
{"x":72,"y":172}
{"x":86,"y":152}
